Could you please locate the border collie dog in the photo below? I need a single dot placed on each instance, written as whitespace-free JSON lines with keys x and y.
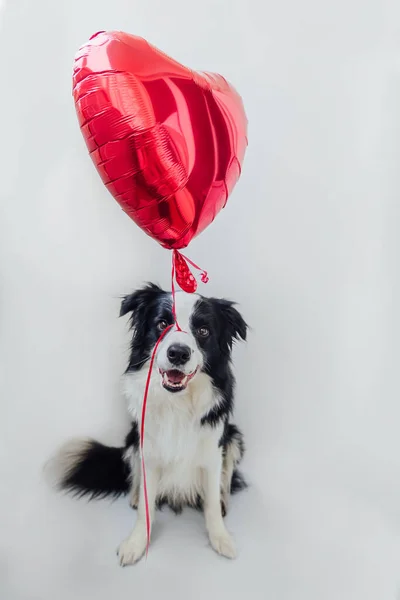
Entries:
{"x":191,"y":447}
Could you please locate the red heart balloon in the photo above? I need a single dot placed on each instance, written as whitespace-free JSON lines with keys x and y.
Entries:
{"x":168,"y":142}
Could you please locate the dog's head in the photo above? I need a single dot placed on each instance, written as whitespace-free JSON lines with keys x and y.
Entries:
{"x":209,"y":327}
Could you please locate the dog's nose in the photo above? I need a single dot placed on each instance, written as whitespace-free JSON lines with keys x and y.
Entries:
{"x":178,"y":354}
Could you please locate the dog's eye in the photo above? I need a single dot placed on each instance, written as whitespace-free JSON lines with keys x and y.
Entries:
{"x":161,"y":325}
{"x":203,"y":332}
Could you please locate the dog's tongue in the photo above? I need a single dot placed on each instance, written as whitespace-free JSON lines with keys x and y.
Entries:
{"x":175,"y":376}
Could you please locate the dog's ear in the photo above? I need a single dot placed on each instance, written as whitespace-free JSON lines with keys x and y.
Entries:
{"x":140,"y":299}
{"x":234,"y":327}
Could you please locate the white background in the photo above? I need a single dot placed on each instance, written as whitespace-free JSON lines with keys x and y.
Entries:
{"x":309,"y":246}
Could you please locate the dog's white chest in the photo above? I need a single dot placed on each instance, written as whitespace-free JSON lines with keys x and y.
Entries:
{"x":174,"y":440}
{"x":175,"y":436}
{"x":180,"y":447}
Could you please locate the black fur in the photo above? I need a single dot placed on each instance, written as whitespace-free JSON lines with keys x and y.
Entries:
{"x":133,"y":437}
{"x":226,"y":325}
{"x":101,"y":471}
{"x":147,"y":306}
{"x":150,"y":304}
{"x":232,"y":433}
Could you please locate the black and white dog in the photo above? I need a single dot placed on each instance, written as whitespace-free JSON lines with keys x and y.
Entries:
{"x":191,"y":447}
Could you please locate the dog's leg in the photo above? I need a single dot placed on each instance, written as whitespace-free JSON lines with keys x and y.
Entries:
{"x":220,"y":539}
{"x":232,"y":456}
{"x":226,"y":480}
{"x":135,"y":484}
{"x":133,"y":548}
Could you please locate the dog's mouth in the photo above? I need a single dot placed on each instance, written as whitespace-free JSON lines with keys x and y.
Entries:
{"x":174,"y":380}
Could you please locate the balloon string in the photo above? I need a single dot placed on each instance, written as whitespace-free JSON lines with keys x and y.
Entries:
{"x":204,"y":278}
{"x":173,"y":276}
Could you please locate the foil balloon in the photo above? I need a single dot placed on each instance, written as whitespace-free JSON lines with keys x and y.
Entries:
{"x":168,"y":142}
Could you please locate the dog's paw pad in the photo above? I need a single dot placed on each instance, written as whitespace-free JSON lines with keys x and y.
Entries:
{"x":223,"y":544}
{"x":131,"y":550}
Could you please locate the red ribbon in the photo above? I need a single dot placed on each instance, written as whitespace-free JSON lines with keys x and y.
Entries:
{"x":186,"y":280}
{"x":184,"y":277}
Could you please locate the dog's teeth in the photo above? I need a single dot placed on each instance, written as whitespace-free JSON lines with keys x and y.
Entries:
{"x":174,"y":384}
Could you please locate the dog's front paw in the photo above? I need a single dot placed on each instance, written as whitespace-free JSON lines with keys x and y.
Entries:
{"x":223,"y":544}
{"x":132,"y":549}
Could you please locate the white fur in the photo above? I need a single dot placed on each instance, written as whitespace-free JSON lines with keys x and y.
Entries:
{"x":64,"y":459}
{"x":182,"y":458}
{"x":174,"y":439}
{"x":184,"y":308}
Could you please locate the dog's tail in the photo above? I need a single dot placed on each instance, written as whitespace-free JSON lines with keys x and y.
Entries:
{"x":85,"y":467}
